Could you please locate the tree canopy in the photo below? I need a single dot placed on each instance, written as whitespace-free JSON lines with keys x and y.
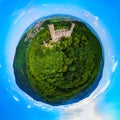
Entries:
{"x":62,"y":70}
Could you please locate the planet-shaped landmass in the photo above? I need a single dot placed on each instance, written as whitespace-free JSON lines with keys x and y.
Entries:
{"x":57,"y":59}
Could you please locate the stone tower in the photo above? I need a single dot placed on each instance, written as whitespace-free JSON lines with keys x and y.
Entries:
{"x":52,"y":31}
{"x":57,"y":34}
{"x":71,"y":28}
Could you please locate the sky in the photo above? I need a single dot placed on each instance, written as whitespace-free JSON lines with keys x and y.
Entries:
{"x":103,"y":17}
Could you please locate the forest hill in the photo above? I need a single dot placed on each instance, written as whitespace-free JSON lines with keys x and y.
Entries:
{"x":58,"y":73}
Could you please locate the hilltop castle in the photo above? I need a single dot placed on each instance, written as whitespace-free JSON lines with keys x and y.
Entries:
{"x":56,"y":34}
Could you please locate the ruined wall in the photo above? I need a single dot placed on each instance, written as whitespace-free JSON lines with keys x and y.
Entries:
{"x":57,"y":34}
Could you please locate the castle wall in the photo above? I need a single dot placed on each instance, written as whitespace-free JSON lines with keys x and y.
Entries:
{"x":56,"y":34}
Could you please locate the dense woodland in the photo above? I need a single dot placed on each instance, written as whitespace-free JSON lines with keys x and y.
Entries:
{"x":62,"y":71}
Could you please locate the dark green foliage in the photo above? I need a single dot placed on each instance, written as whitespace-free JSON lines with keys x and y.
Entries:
{"x":62,"y":71}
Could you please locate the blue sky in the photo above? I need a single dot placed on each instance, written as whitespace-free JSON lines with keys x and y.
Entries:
{"x":102,"y":16}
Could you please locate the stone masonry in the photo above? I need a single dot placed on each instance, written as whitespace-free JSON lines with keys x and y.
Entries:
{"x":57,"y":34}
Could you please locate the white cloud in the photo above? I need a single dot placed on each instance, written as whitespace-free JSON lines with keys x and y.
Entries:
{"x":85,"y":109}
{"x":28,"y":106}
{"x":19,"y":17}
{"x":16,"y":98}
{"x":28,"y":4}
{"x":83,"y":112}
{"x":86,"y":13}
{"x":114,"y":66}
{"x":31,"y":10}
{"x":93,"y":19}
{"x":101,"y":90}
{"x":115,"y":63}
{"x":9,"y":80}
{"x":37,"y":103}
{"x":47,"y":5}
{"x":96,"y":21}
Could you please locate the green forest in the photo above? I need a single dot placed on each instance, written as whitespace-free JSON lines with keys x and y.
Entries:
{"x":58,"y":73}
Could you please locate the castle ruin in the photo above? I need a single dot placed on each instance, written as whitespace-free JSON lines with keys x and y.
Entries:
{"x":57,"y":34}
